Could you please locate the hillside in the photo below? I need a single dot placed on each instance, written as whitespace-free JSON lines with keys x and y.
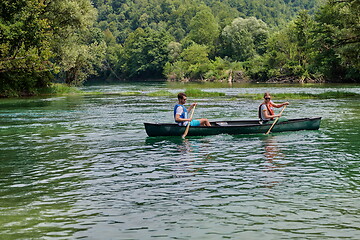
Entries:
{"x":123,"y":17}
{"x":42,"y":42}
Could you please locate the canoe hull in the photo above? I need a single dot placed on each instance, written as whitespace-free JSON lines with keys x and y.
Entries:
{"x":232,"y":127}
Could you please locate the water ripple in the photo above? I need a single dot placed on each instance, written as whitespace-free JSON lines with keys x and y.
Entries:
{"x":83,"y":167}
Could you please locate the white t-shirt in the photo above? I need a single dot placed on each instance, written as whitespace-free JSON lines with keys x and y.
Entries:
{"x":262,"y":110}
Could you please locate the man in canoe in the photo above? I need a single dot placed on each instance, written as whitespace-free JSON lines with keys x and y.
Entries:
{"x":181,"y":113}
{"x":266,"y":109}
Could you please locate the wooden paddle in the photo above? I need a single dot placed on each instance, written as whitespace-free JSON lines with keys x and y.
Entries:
{"x":275,"y":121}
{"x":188,"y":126}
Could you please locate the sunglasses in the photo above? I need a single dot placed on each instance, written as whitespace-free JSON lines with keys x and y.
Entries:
{"x":267,"y":98}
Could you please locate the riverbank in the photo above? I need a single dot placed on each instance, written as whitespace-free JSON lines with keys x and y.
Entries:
{"x":194,"y":89}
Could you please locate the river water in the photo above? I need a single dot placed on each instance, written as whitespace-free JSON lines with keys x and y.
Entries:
{"x":82,"y":167}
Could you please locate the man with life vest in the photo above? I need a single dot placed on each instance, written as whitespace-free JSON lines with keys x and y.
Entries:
{"x":181,"y":113}
{"x":266,"y":109}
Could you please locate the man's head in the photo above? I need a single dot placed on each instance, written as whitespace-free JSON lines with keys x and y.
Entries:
{"x":182,"y":97}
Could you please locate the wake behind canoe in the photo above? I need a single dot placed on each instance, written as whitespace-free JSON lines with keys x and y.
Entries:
{"x":232,"y":127}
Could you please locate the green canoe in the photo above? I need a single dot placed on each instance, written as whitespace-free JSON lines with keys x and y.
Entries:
{"x":232,"y":127}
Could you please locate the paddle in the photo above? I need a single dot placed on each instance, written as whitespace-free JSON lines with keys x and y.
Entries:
{"x":275,"y":121}
{"x":188,"y":126}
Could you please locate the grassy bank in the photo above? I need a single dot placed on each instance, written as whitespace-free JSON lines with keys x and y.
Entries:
{"x":325,"y":95}
{"x":59,"y":89}
{"x":63,"y":89}
{"x":194,"y":92}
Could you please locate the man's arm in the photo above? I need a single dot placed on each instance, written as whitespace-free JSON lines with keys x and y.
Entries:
{"x":191,"y":106}
{"x":179,"y":119}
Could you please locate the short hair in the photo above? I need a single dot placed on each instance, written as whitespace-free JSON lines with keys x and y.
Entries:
{"x":266,"y":94}
{"x":181,"y":95}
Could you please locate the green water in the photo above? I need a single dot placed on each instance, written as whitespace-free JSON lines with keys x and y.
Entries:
{"x":82,"y":167}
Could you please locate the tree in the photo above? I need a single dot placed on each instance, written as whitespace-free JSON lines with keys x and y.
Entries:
{"x":244,"y":38}
{"x":79,"y":48}
{"x":197,"y":61}
{"x":41,"y":38}
{"x":145,"y":53}
{"x":193,"y":63}
{"x":24,"y":47}
{"x":289,"y":51}
{"x":204,"y":28}
{"x":337,"y":36}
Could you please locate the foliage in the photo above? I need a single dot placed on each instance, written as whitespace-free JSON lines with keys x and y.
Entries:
{"x":78,"y":47}
{"x":289,"y":50}
{"x":303,"y":95}
{"x":338,"y":94}
{"x":244,"y":38}
{"x":338,"y":40}
{"x":204,"y":29}
{"x":129,"y":93}
{"x":145,"y":53}
{"x":74,"y":40}
{"x":193,"y":63}
{"x":24,"y":48}
{"x":42,"y":38}
{"x":324,"y":47}
{"x":160,"y":93}
{"x":324,"y":95}
{"x":59,"y":89}
{"x":195,"y":92}
{"x":211,"y":24}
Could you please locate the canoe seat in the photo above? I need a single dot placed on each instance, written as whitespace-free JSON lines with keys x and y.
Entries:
{"x":222,"y":123}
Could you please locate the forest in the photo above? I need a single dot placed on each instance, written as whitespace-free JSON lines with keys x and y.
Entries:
{"x":72,"y":41}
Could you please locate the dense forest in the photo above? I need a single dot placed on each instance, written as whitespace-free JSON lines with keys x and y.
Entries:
{"x":71,"y":41}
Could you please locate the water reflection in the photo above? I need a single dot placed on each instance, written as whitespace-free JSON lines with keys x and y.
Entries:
{"x":273,"y":159}
{"x":181,"y":145}
{"x":272,"y":152}
{"x":189,"y":155}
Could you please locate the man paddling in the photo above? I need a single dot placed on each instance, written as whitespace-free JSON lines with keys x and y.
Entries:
{"x":181,"y":113}
{"x":266,"y":109}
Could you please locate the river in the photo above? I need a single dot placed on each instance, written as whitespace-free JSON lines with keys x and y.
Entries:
{"x":82,"y":167}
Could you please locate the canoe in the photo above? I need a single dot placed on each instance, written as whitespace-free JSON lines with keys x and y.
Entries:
{"x":232,"y":127}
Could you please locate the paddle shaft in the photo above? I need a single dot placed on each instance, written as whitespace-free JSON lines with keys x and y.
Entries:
{"x":188,"y":126}
{"x":275,"y":121}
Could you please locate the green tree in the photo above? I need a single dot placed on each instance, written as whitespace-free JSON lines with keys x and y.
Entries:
{"x":204,"y":28}
{"x":196,"y":58}
{"x":290,"y":52}
{"x":192,"y":64}
{"x":78,"y":47}
{"x":337,"y":38}
{"x":145,"y":53}
{"x":244,"y":38}
{"x":24,"y":47}
{"x":40,"y":38}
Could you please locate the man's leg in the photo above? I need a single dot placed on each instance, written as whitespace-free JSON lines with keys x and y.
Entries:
{"x":204,"y":122}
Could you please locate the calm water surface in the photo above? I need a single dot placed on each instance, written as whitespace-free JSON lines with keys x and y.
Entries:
{"x":82,"y":167}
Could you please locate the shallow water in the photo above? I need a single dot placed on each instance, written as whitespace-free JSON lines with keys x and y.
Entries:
{"x":82,"y":167}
